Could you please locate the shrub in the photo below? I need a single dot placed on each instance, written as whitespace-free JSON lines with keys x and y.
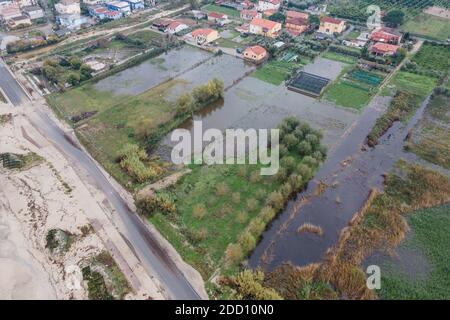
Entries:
{"x":221,"y":189}
{"x":149,"y":205}
{"x":236,"y":197}
{"x":276,"y":200}
{"x":252,"y":204}
{"x":241,"y":217}
{"x":198,"y":211}
{"x":249,"y":286}
{"x":267,"y":214}
{"x":247,"y":241}
{"x":234,"y":253}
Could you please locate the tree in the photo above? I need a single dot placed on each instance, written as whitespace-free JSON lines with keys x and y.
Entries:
{"x":394,"y":18}
{"x":73,"y":78}
{"x":75,"y":63}
{"x":249,"y":286}
{"x":278,"y":17}
{"x":184,"y":104}
{"x":314,"y":20}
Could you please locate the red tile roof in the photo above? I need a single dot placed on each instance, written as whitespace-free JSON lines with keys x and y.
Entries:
{"x":384,"y":47}
{"x":258,"y":50}
{"x":264,"y":23}
{"x":252,"y":13}
{"x":203,"y":32}
{"x":331,"y":20}
{"x":216,"y":15}
{"x":174,"y":25}
{"x":296,"y":14}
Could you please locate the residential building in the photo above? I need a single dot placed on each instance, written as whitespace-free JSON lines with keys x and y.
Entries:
{"x":120,"y":6}
{"x":331,"y":26}
{"x":102,"y":13}
{"x":265,"y":27}
{"x":71,"y":21}
{"x":5,"y":3}
{"x":256,"y":54}
{"x":20,"y":20}
{"x":250,"y":14}
{"x":269,"y":12}
{"x":68,"y":7}
{"x":34,"y":12}
{"x":383,"y":49}
{"x":215,"y":16}
{"x":386,"y":35}
{"x":264,"y":5}
{"x":290,"y":14}
{"x":10,"y":11}
{"x":26,"y":3}
{"x":247,"y":5}
{"x":162,"y":24}
{"x":136,"y":4}
{"x":197,"y":14}
{"x":113,"y":15}
{"x":296,"y":26}
{"x":204,"y":36}
{"x":176,"y":27}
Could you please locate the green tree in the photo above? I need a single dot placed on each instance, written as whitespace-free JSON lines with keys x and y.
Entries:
{"x":394,"y":18}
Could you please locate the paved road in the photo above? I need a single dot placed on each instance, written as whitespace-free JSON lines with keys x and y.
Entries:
{"x":10,"y":87}
{"x":153,"y":257}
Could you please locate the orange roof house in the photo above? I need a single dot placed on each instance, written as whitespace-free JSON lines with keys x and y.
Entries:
{"x":203,"y":36}
{"x":296,"y":14}
{"x":384,"y":49}
{"x":249,"y":14}
{"x":214,"y":16}
{"x":296,"y":26}
{"x":386,"y":35}
{"x":256,"y":54}
{"x":329,"y":25}
{"x":265,"y":27}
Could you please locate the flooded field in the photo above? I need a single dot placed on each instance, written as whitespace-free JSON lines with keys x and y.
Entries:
{"x":347,"y":176}
{"x":137,"y":79}
{"x":252,"y":103}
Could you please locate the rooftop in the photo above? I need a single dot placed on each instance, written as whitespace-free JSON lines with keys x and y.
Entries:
{"x":331,"y":20}
{"x":264,"y":23}
{"x":258,"y":50}
{"x":203,"y":32}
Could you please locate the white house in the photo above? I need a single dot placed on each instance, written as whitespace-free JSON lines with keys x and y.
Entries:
{"x":34,"y":12}
{"x":175,"y":27}
{"x":68,"y":7}
{"x":71,"y":21}
{"x":264,"y":5}
{"x":25,"y":3}
{"x":136,"y":4}
{"x":121,"y":6}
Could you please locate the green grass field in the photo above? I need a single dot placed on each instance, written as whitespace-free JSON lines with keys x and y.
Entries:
{"x":432,"y":136}
{"x":146,"y":35}
{"x":274,"y":72}
{"x":339,"y":57}
{"x":344,"y":94}
{"x":433,"y":57}
{"x":413,"y":83}
{"x":228,"y":11}
{"x":428,"y":26}
{"x":430,"y":238}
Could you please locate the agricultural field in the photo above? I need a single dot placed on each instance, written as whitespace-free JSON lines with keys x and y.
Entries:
{"x":231,"y":13}
{"x":419,"y":85}
{"x":354,"y":89}
{"x":432,"y":60}
{"x":431,"y":137}
{"x":428,"y":26}
{"x":339,"y":57}
{"x":275,"y":72}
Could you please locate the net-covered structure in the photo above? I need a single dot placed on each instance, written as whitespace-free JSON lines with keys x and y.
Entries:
{"x":308,"y":84}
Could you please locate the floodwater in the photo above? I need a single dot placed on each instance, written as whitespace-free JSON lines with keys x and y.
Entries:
{"x":324,"y":68}
{"x":140,"y":78}
{"x":252,"y":103}
{"x":349,"y":174}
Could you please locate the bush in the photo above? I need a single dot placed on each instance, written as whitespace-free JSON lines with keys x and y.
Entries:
{"x":247,"y":241}
{"x":276,"y":200}
{"x":249,"y":286}
{"x":198,"y":211}
{"x":133,"y":161}
{"x":149,"y":205}
{"x":241,"y":217}
{"x":222,"y":189}
{"x":252,"y":204}
{"x":234,"y":253}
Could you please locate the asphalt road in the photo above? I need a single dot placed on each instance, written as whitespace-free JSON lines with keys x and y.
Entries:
{"x":10,"y":86}
{"x":148,"y":250}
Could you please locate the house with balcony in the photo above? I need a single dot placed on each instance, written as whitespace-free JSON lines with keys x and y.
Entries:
{"x":331,"y":26}
{"x":33,"y":12}
{"x":136,"y":4}
{"x":386,"y":35}
{"x":120,"y":6}
{"x":266,"y":28}
{"x":264,"y":5}
{"x":204,"y":36}
{"x":68,"y":7}
{"x":255,"y":54}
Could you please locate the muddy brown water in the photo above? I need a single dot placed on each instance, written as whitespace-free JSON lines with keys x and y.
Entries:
{"x":349,"y":173}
